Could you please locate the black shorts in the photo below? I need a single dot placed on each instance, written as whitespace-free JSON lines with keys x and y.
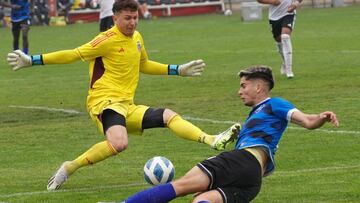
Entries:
{"x":106,"y":23}
{"x":235,"y":174}
{"x":277,"y":25}
{"x":152,"y":118}
{"x":21,"y":24}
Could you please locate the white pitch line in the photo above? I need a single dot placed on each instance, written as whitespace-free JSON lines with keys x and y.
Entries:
{"x":295,"y":128}
{"x":310,"y":170}
{"x":69,"y":111}
{"x":208,"y":120}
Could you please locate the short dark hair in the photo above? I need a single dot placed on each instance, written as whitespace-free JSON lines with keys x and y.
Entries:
{"x":122,"y":5}
{"x":259,"y":72}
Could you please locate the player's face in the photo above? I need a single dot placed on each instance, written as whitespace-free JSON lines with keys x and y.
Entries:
{"x":126,"y":21}
{"x":248,"y":91}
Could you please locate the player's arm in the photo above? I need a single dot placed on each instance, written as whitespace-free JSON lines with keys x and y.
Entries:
{"x":272,"y":2}
{"x":192,"y":68}
{"x":313,"y":121}
{"x":294,"y":5}
{"x":18,"y":59}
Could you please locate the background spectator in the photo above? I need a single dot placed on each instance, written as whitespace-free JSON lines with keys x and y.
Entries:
{"x":144,"y":10}
{"x":64,"y":7}
{"x":106,"y":14}
{"x":41,"y":11}
{"x":20,"y":19}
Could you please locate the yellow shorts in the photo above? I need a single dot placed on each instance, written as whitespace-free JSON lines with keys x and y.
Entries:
{"x":133,"y":114}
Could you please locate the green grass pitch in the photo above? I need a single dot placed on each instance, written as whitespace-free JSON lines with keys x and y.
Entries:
{"x":312,"y":166}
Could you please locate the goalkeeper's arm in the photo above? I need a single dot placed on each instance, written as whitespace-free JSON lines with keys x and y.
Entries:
{"x":18,"y":59}
{"x":192,"y":68}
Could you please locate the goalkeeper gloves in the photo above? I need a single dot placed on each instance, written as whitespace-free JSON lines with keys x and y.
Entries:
{"x":192,"y":68}
{"x":18,"y":59}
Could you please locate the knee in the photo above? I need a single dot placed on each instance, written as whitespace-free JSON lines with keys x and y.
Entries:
{"x":210,"y":196}
{"x":200,"y":199}
{"x":119,"y":146}
{"x":168,"y":115}
{"x":285,"y":37}
{"x":118,"y":140}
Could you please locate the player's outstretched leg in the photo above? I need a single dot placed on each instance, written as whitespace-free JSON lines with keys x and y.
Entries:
{"x":226,"y":137}
{"x":59,"y":178}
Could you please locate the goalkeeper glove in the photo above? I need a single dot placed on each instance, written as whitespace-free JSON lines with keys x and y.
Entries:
{"x":192,"y":68}
{"x":18,"y":59}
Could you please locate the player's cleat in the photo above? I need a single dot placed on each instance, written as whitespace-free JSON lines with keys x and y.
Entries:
{"x":58,"y":179}
{"x":289,"y":73}
{"x":226,"y":137}
{"x":282,"y":69}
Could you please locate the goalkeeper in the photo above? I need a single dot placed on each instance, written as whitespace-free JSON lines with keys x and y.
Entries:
{"x":116,"y":58}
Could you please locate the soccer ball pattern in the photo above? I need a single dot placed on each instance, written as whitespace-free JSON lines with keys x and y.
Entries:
{"x":158,"y":170}
{"x":228,"y":12}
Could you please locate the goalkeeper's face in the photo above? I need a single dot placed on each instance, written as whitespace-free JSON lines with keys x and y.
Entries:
{"x":126,"y":21}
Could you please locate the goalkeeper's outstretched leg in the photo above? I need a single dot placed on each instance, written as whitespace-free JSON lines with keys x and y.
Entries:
{"x":189,"y":131}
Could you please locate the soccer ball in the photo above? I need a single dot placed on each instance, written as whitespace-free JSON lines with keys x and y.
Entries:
{"x":158,"y":170}
{"x":228,"y":12}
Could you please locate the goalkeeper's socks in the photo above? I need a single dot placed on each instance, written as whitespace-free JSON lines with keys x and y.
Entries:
{"x":158,"y":194}
{"x":207,"y":139}
{"x":96,"y":153}
{"x":187,"y":130}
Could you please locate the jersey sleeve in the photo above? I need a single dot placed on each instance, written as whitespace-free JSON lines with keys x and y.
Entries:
{"x":95,"y":48}
{"x":60,"y":57}
{"x":282,"y":108}
{"x":154,"y":68}
{"x":144,"y":56}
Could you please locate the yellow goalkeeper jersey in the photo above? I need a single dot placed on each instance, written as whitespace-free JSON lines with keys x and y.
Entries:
{"x":114,"y":65}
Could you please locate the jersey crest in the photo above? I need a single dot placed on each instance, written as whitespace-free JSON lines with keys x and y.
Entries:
{"x":138,"y":46}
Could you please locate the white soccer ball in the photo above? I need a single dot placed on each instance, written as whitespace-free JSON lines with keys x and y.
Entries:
{"x":158,"y":170}
{"x":228,"y":12}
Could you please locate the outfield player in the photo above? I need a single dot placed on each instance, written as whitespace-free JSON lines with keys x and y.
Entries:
{"x":106,"y":13}
{"x":235,"y":176}
{"x":282,"y":20}
{"x":20,"y":19}
{"x":116,"y":57}
{"x":64,"y":7}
